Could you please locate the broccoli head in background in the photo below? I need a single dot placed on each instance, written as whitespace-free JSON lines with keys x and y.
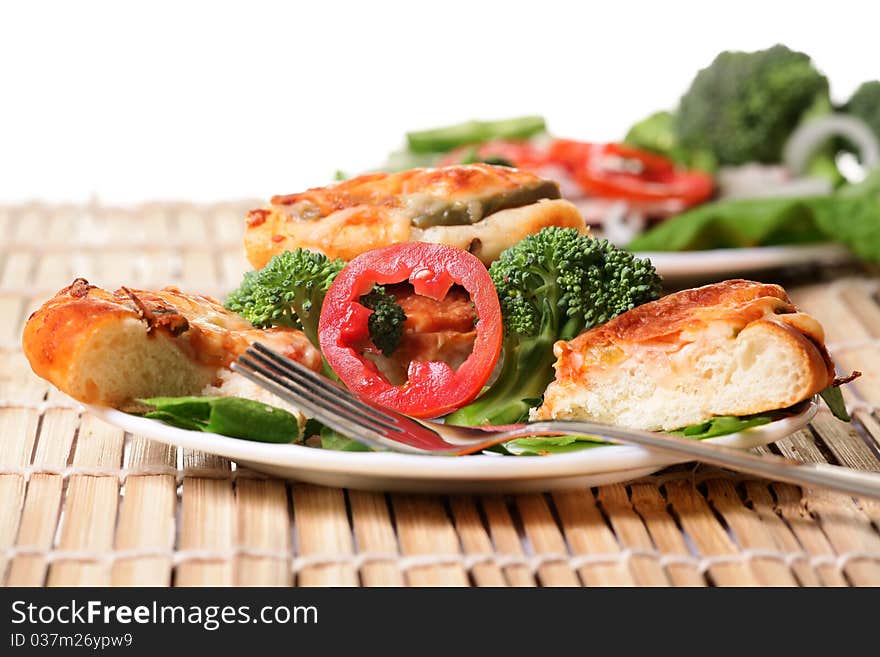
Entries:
{"x":552,"y":285}
{"x":865,"y":105}
{"x":744,"y":105}
{"x":289,"y":291}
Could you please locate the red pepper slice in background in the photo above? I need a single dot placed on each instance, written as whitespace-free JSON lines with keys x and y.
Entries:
{"x":432,"y":388}
{"x":608,"y":171}
{"x":623,"y":172}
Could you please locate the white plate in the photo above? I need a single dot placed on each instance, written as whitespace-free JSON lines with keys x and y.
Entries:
{"x":734,"y":262}
{"x":484,"y":473}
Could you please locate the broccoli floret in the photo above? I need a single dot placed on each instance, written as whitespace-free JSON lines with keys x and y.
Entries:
{"x":289,"y":291}
{"x":386,"y":322}
{"x":865,"y":104}
{"x":744,"y":106}
{"x":552,"y":286}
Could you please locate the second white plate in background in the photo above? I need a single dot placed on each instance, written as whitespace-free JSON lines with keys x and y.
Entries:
{"x":734,"y":263}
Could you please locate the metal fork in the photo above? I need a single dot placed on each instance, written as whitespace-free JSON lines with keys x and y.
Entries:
{"x":383,"y":428}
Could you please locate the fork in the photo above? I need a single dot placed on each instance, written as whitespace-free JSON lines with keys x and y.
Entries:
{"x":386,"y":429}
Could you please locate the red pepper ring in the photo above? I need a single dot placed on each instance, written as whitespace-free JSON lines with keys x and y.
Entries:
{"x":433,"y":388}
{"x":657,"y":178}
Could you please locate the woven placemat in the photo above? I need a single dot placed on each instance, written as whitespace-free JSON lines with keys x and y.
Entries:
{"x":84,"y":503}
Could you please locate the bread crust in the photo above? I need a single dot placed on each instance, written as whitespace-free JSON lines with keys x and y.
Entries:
{"x":194,"y":331}
{"x":666,"y":337}
{"x":375,"y":210}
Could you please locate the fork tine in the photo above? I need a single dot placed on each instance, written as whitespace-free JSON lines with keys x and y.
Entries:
{"x":327,"y":418}
{"x":303,"y":374}
{"x":322,"y":395}
{"x":313,"y":397}
{"x":335,"y":421}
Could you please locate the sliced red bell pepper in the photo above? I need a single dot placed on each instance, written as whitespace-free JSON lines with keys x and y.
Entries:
{"x":433,"y":388}
{"x":609,"y":171}
{"x":621,"y":171}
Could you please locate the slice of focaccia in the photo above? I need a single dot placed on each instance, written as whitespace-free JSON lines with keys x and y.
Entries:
{"x":478,"y":207}
{"x":110,"y":348}
{"x":733,"y":348}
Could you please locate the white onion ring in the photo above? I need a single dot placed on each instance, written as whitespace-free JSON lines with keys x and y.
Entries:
{"x":813,"y":134}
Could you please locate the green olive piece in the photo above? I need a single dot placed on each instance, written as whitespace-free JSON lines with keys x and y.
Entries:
{"x":441,"y":212}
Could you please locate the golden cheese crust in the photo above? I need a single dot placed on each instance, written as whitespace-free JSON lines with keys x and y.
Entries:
{"x":379,"y":209}
{"x":690,"y":337}
{"x":138,"y":335}
{"x":674,"y":318}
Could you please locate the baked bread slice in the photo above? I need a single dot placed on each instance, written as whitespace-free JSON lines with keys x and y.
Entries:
{"x":111,"y":348}
{"x":478,"y":207}
{"x":732,"y":348}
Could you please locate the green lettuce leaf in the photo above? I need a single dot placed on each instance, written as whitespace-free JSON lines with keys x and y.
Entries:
{"x":736,"y":224}
{"x":850,"y":216}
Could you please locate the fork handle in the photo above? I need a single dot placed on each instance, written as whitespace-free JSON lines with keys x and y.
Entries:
{"x":822,"y":475}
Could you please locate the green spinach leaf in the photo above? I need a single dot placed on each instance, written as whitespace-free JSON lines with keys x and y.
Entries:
{"x":834,"y":399}
{"x":723,"y":425}
{"x":543,"y":445}
{"x":717,"y":426}
{"x":331,"y":439}
{"x":229,"y":416}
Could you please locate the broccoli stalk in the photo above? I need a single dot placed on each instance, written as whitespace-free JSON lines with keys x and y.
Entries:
{"x":289,"y":291}
{"x":552,"y":286}
{"x":865,"y":104}
{"x":526,"y":370}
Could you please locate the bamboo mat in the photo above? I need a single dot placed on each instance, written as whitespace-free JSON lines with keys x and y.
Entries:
{"x":83,"y":503}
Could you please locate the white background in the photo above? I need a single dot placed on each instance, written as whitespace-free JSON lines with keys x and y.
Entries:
{"x":126,"y":102}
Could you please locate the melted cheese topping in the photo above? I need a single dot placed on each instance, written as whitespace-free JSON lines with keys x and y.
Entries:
{"x":478,"y":207}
